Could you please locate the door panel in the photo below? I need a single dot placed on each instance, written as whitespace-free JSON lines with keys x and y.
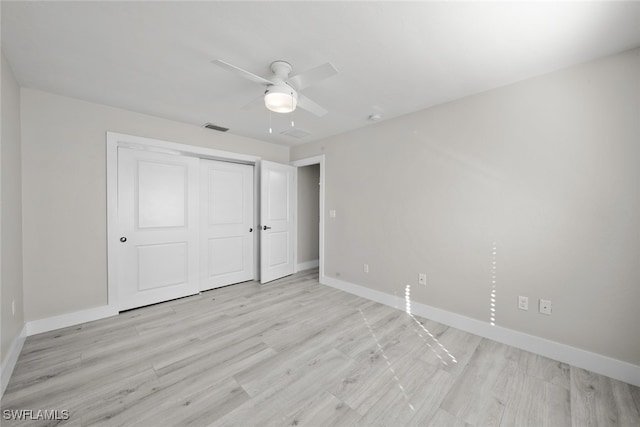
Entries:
{"x":227,"y":223}
{"x":278,"y":248}
{"x":278,"y":195}
{"x":162,"y":265}
{"x":277,"y":209}
{"x":226,"y":255}
{"x":158,"y":217}
{"x":226,"y":194}
{"x":162,"y":197}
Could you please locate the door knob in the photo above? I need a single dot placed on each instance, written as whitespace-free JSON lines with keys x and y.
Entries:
{"x":266,"y":227}
{"x":123,"y":239}
{"x":250,"y":230}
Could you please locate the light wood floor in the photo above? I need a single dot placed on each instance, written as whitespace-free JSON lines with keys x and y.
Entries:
{"x":295,"y":352}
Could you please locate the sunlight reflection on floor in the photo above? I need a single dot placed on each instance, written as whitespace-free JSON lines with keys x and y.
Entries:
{"x":407,"y":298}
{"x":386,"y":359}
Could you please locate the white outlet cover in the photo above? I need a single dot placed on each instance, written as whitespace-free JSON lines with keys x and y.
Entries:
{"x":545,"y":307}
{"x":422,"y":279}
{"x":523,"y":303}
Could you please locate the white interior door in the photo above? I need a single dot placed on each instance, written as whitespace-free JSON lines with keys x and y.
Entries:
{"x":277,"y":210}
{"x":227,"y":229}
{"x":158,"y":217}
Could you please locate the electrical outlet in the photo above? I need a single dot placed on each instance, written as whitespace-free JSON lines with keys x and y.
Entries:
{"x":332,"y":213}
{"x":545,"y":307}
{"x":366,"y":268}
{"x":523,"y":303}
{"x":422,"y":279}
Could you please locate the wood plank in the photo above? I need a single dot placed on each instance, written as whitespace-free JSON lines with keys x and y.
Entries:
{"x":543,"y":404}
{"x":599,"y":400}
{"x":324,"y":410}
{"x":443,"y":418}
{"x":289,"y":389}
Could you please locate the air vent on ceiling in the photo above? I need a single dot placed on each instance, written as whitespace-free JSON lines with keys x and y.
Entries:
{"x":214,"y":127}
{"x":296,"y":133}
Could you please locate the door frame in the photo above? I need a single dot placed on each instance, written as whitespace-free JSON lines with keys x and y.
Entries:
{"x":315,"y":160}
{"x":116,"y":140}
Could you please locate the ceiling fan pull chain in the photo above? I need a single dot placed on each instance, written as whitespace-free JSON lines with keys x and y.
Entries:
{"x":270,"y":130}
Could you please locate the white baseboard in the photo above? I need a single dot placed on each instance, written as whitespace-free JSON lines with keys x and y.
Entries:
{"x":584,"y":359}
{"x":9,"y":363}
{"x":69,"y":319}
{"x":301,"y":266}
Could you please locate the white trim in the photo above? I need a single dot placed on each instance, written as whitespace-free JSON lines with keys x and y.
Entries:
{"x":306,"y":265}
{"x":158,"y":145}
{"x":115,"y":140}
{"x":317,"y":160}
{"x":614,"y":368}
{"x":9,"y":363}
{"x":112,"y":218}
{"x":69,"y":319}
{"x":256,"y":222}
{"x":295,"y":219}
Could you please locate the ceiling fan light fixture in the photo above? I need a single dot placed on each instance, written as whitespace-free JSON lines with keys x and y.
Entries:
{"x":281,"y":99}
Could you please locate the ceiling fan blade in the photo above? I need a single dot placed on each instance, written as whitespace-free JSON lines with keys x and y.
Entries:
{"x":314,"y":75}
{"x":307,"y":104}
{"x":244,"y":73}
{"x":255,"y":101}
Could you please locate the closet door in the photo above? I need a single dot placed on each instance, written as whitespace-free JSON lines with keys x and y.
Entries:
{"x":158,"y":219}
{"x":227,"y":229}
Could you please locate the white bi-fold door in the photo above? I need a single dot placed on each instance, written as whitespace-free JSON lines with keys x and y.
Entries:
{"x":158,"y":216}
{"x":227,"y":228}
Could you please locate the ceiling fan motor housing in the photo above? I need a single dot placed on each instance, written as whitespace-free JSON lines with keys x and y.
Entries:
{"x":281,"y":69}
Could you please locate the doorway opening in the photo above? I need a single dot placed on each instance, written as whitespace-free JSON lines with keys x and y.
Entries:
{"x":310,"y":214}
{"x":308,"y":217}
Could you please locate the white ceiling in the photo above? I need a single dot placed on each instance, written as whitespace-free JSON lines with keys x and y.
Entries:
{"x":393,"y":57}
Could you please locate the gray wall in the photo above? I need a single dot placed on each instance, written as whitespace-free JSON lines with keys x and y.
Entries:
{"x":11,"y":228}
{"x":547,"y":169}
{"x":64,"y":193}
{"x":308,"y":213}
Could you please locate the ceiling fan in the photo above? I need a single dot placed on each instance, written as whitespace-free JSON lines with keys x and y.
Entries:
{"x":282,"y":92}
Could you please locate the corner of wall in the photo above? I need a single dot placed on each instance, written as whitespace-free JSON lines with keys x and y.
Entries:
{"x":9,"y":362}
{"x":13,"y":329}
